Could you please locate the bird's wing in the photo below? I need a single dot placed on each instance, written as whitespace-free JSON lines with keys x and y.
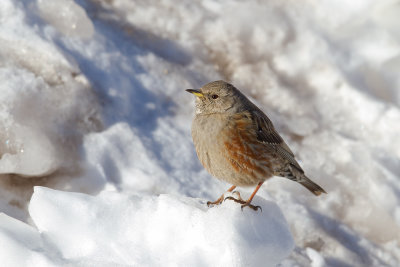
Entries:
{"x":267,"y":134}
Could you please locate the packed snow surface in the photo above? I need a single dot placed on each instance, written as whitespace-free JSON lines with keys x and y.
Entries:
{"x":158,"y":230}
{"x":97,"y":166}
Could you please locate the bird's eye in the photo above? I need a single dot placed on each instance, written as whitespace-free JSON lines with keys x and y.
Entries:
{"x":214,"y":96}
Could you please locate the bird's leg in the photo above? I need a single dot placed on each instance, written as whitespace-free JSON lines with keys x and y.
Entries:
{"x":221,"y":198}
{"x":247,"y":202}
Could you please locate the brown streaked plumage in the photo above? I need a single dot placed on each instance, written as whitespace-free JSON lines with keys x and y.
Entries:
{"x":236,"y":142}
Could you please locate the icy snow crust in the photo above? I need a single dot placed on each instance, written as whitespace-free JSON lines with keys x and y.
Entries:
{"x":97,"y":165}
{"x":158,"y":230}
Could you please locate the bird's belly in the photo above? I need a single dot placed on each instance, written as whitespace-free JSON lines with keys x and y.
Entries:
{"x":240,"y":171}
{"x":225,"y":159}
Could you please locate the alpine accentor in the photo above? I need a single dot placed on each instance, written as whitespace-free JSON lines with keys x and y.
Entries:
{"x":236,"y":142}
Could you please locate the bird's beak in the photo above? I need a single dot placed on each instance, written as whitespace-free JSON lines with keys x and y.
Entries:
{"x":195,"y":92}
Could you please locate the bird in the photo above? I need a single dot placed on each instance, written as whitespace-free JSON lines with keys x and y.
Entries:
{"x":236,"y":142}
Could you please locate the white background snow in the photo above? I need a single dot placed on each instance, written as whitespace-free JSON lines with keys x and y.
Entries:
{"x":97,"y":163}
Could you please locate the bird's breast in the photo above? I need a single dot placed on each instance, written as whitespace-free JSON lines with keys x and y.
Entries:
{"x":228,"y":149}
{"x":208,"y":141}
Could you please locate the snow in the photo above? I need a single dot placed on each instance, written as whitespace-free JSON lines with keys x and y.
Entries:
{"x":158,"y":230}
{"x":316,"y":259}
{"x":97,"y":166}
{"x":70,"y":18}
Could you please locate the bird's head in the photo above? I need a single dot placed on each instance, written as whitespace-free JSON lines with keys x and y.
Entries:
{"x":216,"y":97}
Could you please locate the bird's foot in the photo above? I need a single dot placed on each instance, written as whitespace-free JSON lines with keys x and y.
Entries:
{"x":237,"y":193}
{"x":244,"y":203}
{"x":247,"y":204}
{"x":216,"y":202}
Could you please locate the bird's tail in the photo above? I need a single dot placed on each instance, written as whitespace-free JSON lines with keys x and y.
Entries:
{"x":310,"y":185}
{"x":296,"y":174}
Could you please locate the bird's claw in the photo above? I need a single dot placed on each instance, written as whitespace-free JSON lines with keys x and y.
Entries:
{"x":238,"y":195}
{"x":234,"y":199}
{"x":251,"y":206}
{"x":244,"y":203}
{"x":216,"y":202}
{"x":210,"y":203}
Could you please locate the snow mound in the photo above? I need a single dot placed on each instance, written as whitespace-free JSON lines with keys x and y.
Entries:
{"x":46,"y":103}
{"x":71,"y":19}
{"x":23,"y":244}
{"x":159,"y":230}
